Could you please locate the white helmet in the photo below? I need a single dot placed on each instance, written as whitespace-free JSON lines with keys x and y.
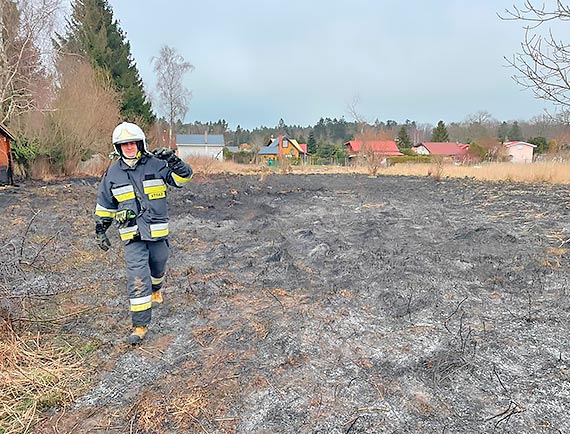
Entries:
{"x":127,"y":132}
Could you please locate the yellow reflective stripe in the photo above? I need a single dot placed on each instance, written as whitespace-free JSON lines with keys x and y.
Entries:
{"x":179,"y":180}
{"x":155,"y":189}
{"x":156,"y":280}
{"x":141,"y":307}
{"x":104,"y":213}
{"x":159,"y":230}
{"x":101,"y":211}
{"x":128,"y":233}
{"x":125,"y":196}
{"x":140,"y":303}
{"x":123,"y":193}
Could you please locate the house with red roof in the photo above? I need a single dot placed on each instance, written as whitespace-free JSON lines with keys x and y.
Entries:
{"x":445,"y":149}
{"x":386,"y":148}
{"x":520,"y":152}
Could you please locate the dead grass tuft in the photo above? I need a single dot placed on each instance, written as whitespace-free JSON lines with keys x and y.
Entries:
{"x":155,"y":411}
{"x":34,"y":375}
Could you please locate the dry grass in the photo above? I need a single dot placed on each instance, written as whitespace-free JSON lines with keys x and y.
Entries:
{"x":34,"y":375}
{"x":551,"y":172}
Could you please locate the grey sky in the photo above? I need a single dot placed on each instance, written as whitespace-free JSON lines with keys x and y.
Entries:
{"x":261,"y":60}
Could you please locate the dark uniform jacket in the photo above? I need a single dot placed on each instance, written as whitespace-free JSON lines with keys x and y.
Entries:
{"x":142,"y":189}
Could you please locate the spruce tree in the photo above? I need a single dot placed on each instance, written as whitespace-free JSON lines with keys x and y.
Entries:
{"x":404,"y":139}
{"x":503,"y":132}
{"x":93,"y":33}
{"x":440,"y":133}
{"x":312,"y":144}
{"x":515,"y":133}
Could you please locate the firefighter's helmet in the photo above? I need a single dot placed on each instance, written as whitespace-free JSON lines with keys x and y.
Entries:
{"x":128,"y":132}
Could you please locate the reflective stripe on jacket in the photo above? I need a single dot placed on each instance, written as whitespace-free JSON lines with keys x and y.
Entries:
{"x":142,"y":189}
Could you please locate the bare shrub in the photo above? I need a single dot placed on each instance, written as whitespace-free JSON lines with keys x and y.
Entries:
{"x":285,"y":164}
{"x":86,"y":110}
{"x":372,"y":155}
{"x":41,"y":168}
{"x":95,"y":166}
{"x":202,"y":165}
{"x":437,"y":167}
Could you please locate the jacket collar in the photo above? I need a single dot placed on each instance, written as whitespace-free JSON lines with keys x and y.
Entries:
{"x":125,"y":166}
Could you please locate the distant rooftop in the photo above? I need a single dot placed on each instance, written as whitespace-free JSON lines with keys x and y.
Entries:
{"x":200,"y":139}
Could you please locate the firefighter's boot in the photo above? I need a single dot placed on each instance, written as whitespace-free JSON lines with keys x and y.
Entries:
{"x":138,"y":334}
{"x":156,"y":298}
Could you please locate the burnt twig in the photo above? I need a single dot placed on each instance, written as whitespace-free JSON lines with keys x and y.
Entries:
{"x":453,"y":313}
{"x":25,"y":235}
{"x":505,"y":415}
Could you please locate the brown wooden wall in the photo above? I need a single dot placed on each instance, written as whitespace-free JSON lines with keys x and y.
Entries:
{"x":4,"y":149}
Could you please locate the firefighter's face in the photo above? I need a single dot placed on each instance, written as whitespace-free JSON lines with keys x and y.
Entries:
{"x":129,"y":149}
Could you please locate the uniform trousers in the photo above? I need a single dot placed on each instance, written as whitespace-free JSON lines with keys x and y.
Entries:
{"x":146,"y":266}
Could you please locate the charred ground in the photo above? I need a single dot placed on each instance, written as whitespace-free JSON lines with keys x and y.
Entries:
{"x":318,"y":304}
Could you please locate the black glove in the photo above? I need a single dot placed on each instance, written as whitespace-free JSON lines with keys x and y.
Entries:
{"x":167,"y":155}
{"x":123,"y":217}
{"x":101,"y":237}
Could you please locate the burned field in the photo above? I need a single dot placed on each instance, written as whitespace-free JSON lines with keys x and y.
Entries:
{"x":312,"y":304}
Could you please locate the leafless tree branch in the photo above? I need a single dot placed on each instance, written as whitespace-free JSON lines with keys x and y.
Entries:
{"x":543,"y":64}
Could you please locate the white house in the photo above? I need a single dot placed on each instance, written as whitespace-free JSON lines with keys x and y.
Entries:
{"x":200,"y":145}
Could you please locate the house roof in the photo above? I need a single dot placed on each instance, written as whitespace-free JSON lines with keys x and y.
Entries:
{"x":273,"y":147}
{"x":233,"y":149}
{"x":269,"y":150}
{"x":303,"y":147}
{"x":199,"y":139}
{"x":444,"y":148}
{"x":509,"y":144}
{"x":6,"y":132}
{"x":384,"y":147}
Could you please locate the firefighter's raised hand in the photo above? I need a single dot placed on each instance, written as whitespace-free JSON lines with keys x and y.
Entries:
{"x":165,"y":154}
{"x":123,"y":217}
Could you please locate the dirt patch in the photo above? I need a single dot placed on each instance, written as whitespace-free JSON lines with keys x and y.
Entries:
{"x":316,"y":303}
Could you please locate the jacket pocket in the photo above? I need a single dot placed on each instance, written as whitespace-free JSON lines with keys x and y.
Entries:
{"x":154,"y":189}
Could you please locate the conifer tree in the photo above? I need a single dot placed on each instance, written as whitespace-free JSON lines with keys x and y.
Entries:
{"x":515,"y":132}
{"x":312,"y":144}
{"x":92,"y":32}
{"x":503,"y":132}
{"x":440,"y":133}
{"x":404,"y":139}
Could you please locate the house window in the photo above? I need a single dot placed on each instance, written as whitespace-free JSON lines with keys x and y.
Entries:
{"x":519,"y":147}
{"x":285,"y":144}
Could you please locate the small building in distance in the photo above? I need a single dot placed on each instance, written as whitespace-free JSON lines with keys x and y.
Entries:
{"x":520,"y":152}
{"x":201,"y":145}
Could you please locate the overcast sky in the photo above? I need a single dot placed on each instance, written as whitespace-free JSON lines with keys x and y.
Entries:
{"x":257,"y":61}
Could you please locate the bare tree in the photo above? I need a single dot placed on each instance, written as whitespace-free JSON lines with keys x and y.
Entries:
{"x":77,"y":129}
{"x":170,"y":68}
{"x":368,"y":136}
{"x":481,"y":117}
{"x":544,"y":63}
{"x":25,"y":30}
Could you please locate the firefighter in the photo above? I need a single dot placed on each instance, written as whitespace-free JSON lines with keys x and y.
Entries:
{"x":132,"y":194}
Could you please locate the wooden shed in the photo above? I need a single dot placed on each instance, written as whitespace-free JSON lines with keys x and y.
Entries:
{"x":6,"y":160}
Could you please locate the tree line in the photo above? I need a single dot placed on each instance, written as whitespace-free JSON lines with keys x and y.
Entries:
{"x":63,"y":90}
{"x":326,"y":138}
